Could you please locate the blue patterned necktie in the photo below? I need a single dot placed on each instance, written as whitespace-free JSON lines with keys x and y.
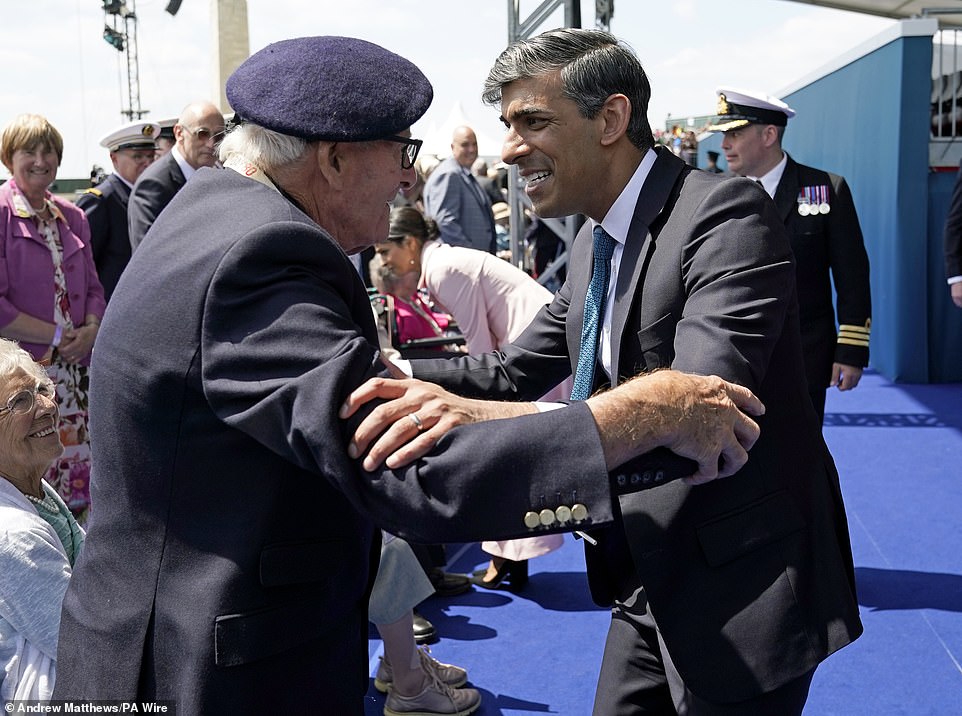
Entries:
{"x":595,"y":300}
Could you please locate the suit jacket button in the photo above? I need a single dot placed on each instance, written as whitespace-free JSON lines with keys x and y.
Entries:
{"x":622,"y":480}
{"x":646,"y":478}
{"x":635,"y":477}
{"x":660,"y":476}
{"x":579,"y":512}
{"x":531,"y":520}
{"x":563,"y":513}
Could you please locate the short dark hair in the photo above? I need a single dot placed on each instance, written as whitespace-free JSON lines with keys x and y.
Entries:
{"x":594,"y":65}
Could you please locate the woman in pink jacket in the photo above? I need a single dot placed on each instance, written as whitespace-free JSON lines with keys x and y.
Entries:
{"x":51,"y":300}
{"x":492,"y":302}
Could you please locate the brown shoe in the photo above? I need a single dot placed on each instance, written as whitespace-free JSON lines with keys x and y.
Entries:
{"x":436,"y":699}
{"x":453,"y":676}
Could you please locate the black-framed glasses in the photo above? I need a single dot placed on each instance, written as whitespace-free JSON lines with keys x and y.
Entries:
{"x":26,"y":400}
{"x":204,"y":134}
{"x":411,"y":149}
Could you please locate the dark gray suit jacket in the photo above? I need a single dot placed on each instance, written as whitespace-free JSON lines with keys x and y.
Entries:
{"x":460,"y":206}
{"x":750,"y":578}
{"x":227,"y":566}
{"x":152,"y":192}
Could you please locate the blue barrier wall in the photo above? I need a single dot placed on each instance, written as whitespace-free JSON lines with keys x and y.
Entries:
{"x":868,"y":120}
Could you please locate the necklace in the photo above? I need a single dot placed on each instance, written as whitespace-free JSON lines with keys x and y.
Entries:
{"x":39,"y":500}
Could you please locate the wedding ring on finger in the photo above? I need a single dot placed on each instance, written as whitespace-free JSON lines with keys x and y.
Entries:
{"x":416,"y":420}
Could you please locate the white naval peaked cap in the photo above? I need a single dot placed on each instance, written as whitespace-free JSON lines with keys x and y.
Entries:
{"x":132,"y":135}
{"x":738,"y":107}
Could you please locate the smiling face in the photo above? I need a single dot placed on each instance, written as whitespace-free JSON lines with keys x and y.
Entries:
{"x":369,"y":177}
{"x":400,"y":257}
{"x":34,"y":169}
{"x":464,"y":146}
{"x":556,"y":150}
{"x":29,"y":442}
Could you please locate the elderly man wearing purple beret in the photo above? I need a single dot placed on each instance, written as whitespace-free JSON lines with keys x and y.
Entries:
{"x":229,"y":562}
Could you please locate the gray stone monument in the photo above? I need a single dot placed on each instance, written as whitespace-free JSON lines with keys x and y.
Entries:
{"x":231,"y":44}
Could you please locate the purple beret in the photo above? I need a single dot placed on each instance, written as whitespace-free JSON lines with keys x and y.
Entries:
{"x":338,"y":89}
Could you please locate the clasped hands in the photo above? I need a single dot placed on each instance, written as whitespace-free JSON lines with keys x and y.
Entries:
{"x":703,"y":418}
{"x":77,"y":343}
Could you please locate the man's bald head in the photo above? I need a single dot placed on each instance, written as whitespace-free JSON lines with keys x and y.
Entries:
{"x":198,"y":131}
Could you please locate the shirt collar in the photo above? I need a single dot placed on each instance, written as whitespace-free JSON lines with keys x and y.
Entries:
{"x":186,"y":168}
{"x":619,"y":216}
{"x":771,"y":179}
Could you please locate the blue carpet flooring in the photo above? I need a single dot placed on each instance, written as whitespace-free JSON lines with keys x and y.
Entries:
{"x":899,"y":454}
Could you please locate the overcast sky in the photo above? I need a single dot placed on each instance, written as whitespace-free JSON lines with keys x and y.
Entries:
{"x":57,"y":64}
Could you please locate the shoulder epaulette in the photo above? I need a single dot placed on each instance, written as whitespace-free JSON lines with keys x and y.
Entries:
{"x":93,"y":190}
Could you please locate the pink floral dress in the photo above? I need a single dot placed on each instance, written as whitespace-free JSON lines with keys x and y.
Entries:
{"x":70,"y":474}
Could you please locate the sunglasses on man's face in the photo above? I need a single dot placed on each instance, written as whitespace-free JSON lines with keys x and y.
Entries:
{"x":204,"y":134}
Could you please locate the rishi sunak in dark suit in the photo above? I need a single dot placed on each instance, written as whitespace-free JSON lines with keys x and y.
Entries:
{"x":726,"y":596}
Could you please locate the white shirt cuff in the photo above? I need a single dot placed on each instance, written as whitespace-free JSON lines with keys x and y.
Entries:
{"x":548,"y":407}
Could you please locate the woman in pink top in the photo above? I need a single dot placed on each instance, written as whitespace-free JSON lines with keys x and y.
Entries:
{"x":492,"y":302}
{"x":51,"y":300}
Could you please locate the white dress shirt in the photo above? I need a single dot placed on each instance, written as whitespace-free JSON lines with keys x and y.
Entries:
{"x":770,"y":180}
{"x":616,"y":223}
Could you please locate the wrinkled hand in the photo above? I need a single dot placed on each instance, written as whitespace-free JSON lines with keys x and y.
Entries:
{"x":392,"y":436}
{"x":699,"y":417}
{"x":844,"y":376}
{"x":76,"y":343}
{"x":955,"y":291}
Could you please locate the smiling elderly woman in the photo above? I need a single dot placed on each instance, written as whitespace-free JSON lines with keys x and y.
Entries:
{"x":39,"y":538}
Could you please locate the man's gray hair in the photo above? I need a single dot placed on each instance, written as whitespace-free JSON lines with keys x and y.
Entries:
{"x":594,"y":65}
{"x":266,"y":148}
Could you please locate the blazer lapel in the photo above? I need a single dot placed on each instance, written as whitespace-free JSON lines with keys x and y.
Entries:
{"x":473,"y":187}
{"x":787,"y":191}
{"x":639,"y":244}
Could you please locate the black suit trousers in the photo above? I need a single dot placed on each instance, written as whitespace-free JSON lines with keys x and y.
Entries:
{"x":638,"y":676}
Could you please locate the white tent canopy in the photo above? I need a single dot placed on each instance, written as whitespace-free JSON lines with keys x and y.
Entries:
{"x":948,"y":12}
{"x":437,"y":140}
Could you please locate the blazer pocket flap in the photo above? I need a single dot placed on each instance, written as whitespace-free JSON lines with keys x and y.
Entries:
{"x":301,"y":563}
{"x":759,"y":524}
{"x":243,"y":638}
{"x":661,"y":331}
{"x":656,"y":345}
